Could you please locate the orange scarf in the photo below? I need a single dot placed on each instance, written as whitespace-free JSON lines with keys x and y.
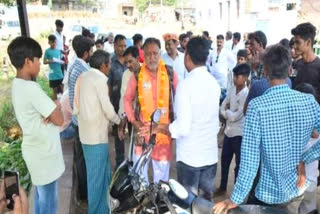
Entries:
{"x":146,"y":99}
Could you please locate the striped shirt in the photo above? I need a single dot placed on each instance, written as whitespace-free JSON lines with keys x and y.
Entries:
{"x":278,"y":126}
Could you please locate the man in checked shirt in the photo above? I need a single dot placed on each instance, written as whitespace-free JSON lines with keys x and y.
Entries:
{"x":278,"y":125}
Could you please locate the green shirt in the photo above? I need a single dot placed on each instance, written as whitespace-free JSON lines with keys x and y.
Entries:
{"x":41,"y":147}
{"x":55,"y":72}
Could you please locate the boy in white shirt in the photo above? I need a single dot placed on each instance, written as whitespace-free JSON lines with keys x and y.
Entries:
{"x":232,"y":110}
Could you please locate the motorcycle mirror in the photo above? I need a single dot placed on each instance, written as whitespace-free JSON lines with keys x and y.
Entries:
{"x":178,"y":189}
{"x":156,"y":115}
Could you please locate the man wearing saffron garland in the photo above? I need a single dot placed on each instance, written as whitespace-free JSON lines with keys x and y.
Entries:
{"x":154,"y":87}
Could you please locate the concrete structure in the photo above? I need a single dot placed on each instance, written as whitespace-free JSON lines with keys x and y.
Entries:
{"x":274,"y":17}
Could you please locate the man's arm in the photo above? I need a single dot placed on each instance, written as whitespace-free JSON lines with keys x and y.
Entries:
{"x":234,"y":116}
{"x":105,"y":103}
{"x":182,"y":125}
{"x":224,"y":105}
{"x":314,"y":152}
{"x":250,"y":156}
{"x":129,"y":98}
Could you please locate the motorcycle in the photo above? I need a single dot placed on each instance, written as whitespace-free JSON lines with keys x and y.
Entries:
{"x":130,"y":192}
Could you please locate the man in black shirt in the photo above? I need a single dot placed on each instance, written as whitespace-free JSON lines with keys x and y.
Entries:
{"x":115,"y":76}
{"x":308,"y":68}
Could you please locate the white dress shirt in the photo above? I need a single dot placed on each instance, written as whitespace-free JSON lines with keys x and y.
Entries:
{"x":220,"y":65}
{"x":177,"y":64}
{"x":234,"y":115}
{"x":236,"y":48}
{"x":109,"y":47}
{"x":197,"y":119}
{"x":59,"y":37}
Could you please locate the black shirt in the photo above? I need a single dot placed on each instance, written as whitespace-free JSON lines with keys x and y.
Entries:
{"x":309,"y":73}
{"x":115,"y":78}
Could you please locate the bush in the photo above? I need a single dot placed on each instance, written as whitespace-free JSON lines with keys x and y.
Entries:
{"x":8,"y":123}
{"x":11,"y":159}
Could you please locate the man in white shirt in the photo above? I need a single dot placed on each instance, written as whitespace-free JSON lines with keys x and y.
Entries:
{"x":58,"y":34}
{"x":108,"y":45}
{"x":236,"y":45}
{"x":228,"y":40}
{"x":173,"y":57}
{"x":197,"y":122}
{"x":220,"y":63}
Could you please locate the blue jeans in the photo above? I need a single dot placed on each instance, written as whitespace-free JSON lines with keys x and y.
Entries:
{"x":46,"y":201}
{"x":197,"y":178}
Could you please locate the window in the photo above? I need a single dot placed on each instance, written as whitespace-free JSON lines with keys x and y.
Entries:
{"x":291,"y":6}
{"x":220,"y":5}
{"x":238,"y":9}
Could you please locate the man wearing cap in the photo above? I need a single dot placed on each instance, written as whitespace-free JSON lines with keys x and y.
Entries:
{"x":173,"y":57}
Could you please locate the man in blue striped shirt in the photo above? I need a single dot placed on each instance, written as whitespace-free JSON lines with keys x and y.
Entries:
{"x":278,"y":126}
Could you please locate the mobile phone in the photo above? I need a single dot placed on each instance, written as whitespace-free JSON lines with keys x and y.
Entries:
{"x":11,"y":183}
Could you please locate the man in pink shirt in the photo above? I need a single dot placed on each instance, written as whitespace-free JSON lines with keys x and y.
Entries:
{"x":155,"y":84}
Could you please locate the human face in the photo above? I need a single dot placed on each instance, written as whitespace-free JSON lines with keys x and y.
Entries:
{"x":254,"y":45}
{"x":235,"y":41}
{"x":152,"y":56}
{"x":241,"y":60}
{"x":33,"y":66}
{"x":105,"y":68}
{"x":239,"y":80}
{"x":88,"y":54}
{"x":171,"y":47}
{"x":120,"y":47}
{"x":184,"y":42}
{"x":187,"y":62}
{"x":132,"y":63}
{"x":220,"y":43}
{"x":99,"y":46}
{"x":110,"y":38}
{"x":53,"y":44}
{"x":59,"y":29}
{"x":301,"y":46}
{"x":293,"y":53}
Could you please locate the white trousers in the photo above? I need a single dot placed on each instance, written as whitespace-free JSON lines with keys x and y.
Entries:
{"x":161,"y":169}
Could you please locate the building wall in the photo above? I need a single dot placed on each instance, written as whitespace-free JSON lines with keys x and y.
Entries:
{"x":270,"y":16}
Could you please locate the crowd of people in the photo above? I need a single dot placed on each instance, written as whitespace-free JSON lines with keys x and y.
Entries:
{"x":266,"y":98}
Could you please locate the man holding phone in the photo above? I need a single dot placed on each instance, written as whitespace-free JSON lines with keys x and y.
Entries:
{"x":21,"y":205}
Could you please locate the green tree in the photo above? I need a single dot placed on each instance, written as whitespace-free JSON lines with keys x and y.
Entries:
{"x":13,"y":2}
{"x":143,"y":4}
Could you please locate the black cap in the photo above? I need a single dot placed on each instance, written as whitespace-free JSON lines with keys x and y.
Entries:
{"x":242,"y":69}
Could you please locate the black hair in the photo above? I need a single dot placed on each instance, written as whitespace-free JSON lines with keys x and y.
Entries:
{"x":220,"y":36}
{"x":206,"y":33}
{"x":198,"y":50}
{"x":229,"y":35}
{"x":247,"y":43}
{"x":99,"y":41}
{"x":137,"y":38}
{"x":85,"y":32}
{"x":22,"y":48}
{"x":182,"y":37}
{"x":285,"y":43}
{"x":119,"y":37}
{"x":260,"y":37}
{"x":81,"y":45}
{"x":59,"y":23}
{"x":237,"y":36}
{"x":242,"y":53}
{"x":305,"y":31}
{"x":305,"y":88}
{"x":52,"y":38}
{"x":291,"y":42}
{"x":277,"y":60}
{"x":92,"y":36}
{"x":189,"y":33}
{"x":99,"y":58}
{"x":132,"y":50}
{"x":242,"y":69}
{"x":152,"y":40}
